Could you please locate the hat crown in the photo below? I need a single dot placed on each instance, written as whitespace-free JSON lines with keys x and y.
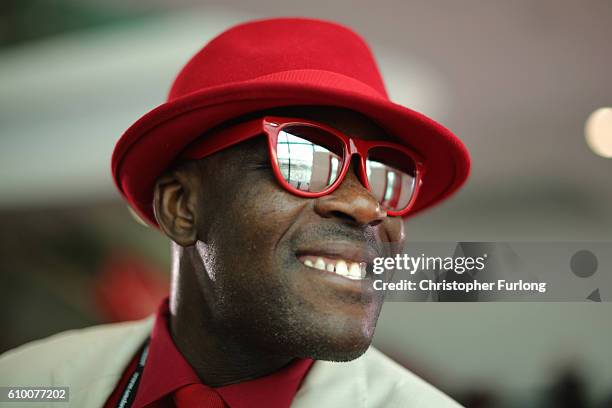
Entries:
{"x":256,"y":49}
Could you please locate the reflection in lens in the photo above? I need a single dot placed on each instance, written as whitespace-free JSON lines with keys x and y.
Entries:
{"x":306,"y":165}
{"x":392,"y":186}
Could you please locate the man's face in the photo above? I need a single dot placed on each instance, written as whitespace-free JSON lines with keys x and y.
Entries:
{"x":253,"y":236}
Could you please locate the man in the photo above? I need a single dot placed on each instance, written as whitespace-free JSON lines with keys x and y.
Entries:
{"x":279,"y":169}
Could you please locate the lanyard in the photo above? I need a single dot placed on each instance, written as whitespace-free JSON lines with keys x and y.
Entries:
{"x":129,"y":393}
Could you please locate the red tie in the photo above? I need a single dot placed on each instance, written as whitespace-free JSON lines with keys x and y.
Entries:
{"x":197,"y":396}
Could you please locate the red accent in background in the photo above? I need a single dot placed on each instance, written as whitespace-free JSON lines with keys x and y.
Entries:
{"x":128,"y":287}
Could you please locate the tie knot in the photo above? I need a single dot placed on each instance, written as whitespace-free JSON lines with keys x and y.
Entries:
{"x":197,"y":396}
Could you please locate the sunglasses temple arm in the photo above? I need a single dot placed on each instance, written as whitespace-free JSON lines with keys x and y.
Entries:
{"x":221,"y":139}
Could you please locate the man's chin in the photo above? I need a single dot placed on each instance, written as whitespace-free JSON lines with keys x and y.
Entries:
{"x":336,"y":337}
{"x":338,"y":348}
{"x":342,"y":355}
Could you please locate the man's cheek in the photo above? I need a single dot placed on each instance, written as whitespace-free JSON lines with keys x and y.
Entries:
{"x":394,"y":234}
{"x":272,"y":209}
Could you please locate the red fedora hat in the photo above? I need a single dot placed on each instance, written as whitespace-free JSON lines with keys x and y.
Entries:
{"x":271,"y":63}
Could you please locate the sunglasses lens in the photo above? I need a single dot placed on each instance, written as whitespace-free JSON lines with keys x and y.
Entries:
{"x":309,"y":158}
{"x":392,"y":177}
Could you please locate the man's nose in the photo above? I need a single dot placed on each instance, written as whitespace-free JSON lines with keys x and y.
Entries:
{"x":351,"y":202}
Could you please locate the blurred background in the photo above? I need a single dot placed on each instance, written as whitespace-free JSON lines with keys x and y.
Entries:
{"x":517,"y":81}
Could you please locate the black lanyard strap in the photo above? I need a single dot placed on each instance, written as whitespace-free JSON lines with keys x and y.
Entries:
{"x":129,"y":392}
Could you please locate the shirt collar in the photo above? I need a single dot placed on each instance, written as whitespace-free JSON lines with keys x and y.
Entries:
{"x":166,"y":370}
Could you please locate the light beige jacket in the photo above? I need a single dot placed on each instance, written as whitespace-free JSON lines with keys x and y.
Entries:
{"x":91,"y":361}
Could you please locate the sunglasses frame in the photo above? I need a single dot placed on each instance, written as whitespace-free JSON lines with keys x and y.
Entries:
{"x":271,"y":126}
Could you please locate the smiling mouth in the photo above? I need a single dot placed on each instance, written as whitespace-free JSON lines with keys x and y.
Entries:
{"x":343,"y":267}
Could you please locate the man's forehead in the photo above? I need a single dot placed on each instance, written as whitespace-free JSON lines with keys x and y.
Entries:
{"x":345,"y":120}
{"x":348,"y":121}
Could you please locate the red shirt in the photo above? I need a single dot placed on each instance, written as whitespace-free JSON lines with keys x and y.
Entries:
{"x":166,"y":370}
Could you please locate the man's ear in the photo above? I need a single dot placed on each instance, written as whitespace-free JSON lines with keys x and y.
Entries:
{"x":174,"y":204}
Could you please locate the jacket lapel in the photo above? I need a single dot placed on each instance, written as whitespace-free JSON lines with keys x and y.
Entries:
{"x":332,"y":385}
{"x":94,"y":370}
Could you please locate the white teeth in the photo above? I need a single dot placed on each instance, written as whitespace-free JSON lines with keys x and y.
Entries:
{"x":348,"y":269}
{"x":354,"y":271}
{"x":341,"y":268}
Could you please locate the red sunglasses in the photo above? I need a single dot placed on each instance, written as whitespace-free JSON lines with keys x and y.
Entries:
{"x":310,"y":159}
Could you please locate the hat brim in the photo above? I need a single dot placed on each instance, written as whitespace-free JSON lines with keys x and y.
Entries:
{"x":153,"y":143}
